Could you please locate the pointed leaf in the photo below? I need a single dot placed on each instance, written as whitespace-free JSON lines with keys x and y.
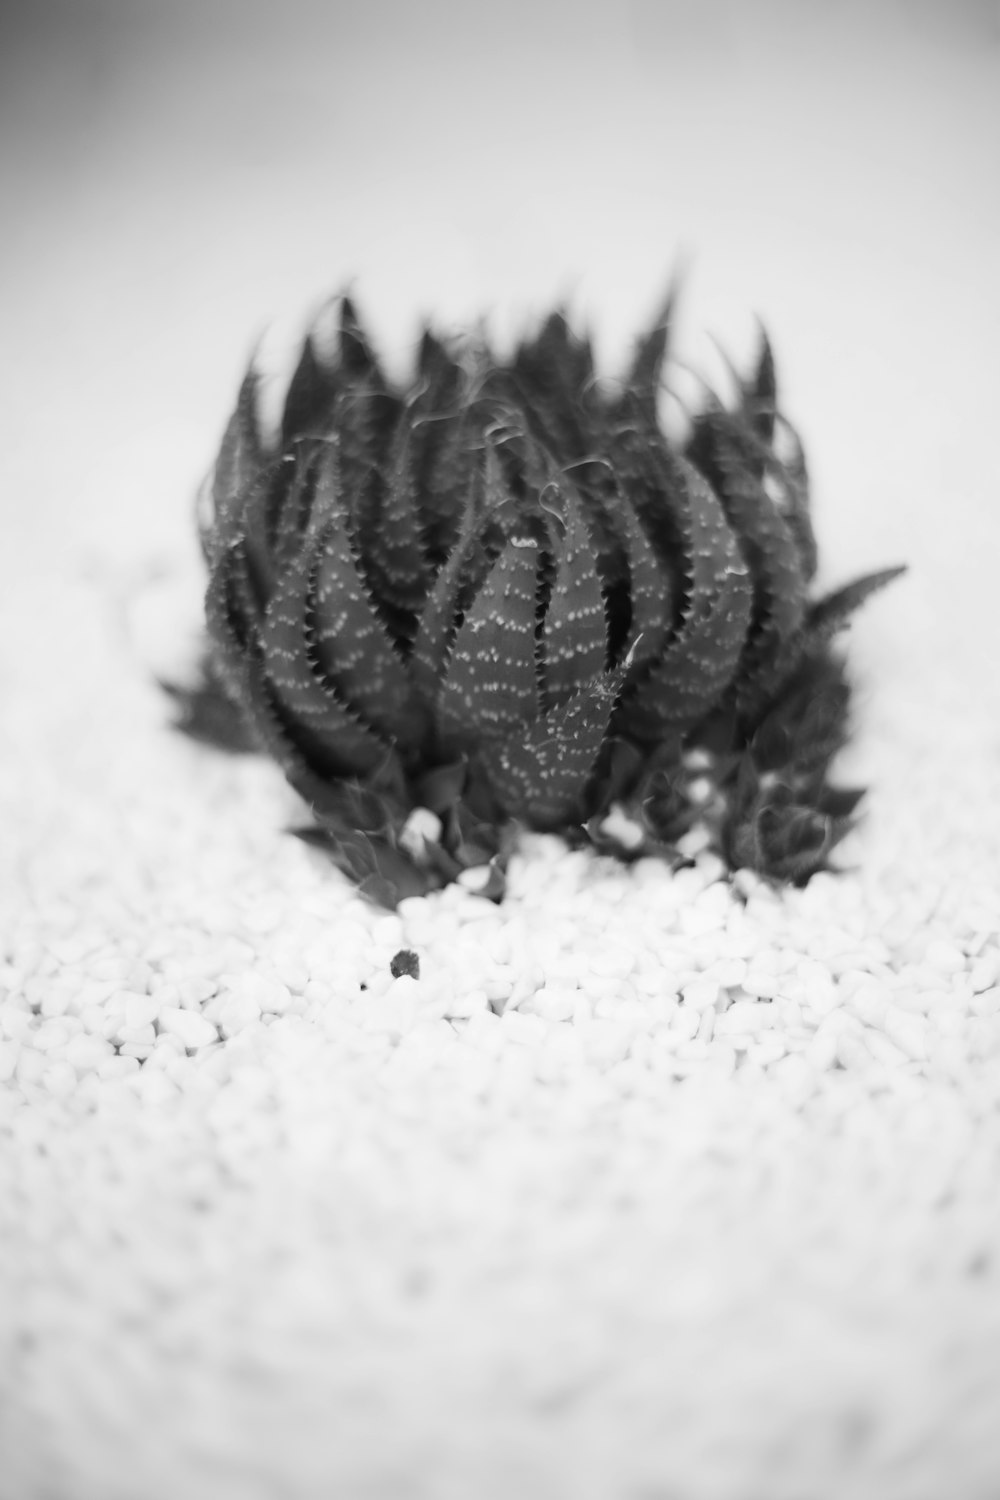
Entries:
{"x":832,"y":612}
{"x":206,"y":712}
{"x":397,"y":567}
{"x":642,"y":386}
{"x":552,"y":374}
{"x":232,"y":617}
{"x":348,"y":639}
{"x":806,"y":724}
{"x":651,"y":591}
{"x":309,"y":399}
{"x":240,"y":460}
{"x":575,"y":626}
{"x":261,"y":518}
{"x":358,"y":363}
{"x":680,"y":514}
{"x":475,"y":550}
{"x":542,"y":773}
{"x":296,"y":484}
{"x":330,"y":735}
{"x":779,"y":837}
{"x":443,"y":457}
{"x":840,"y":803}
{"x":491,"y":684}
{"x":695,"y":669}
{"x":791,"y":476}
{"x":382,"y":872}
{"x":723,"y":453}
{"x":760,"y":394}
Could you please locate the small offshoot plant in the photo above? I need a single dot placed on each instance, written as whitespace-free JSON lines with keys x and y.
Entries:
{"x":500,"y":597}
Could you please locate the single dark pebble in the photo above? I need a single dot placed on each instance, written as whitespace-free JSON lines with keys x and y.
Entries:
{"x":405,"y":962}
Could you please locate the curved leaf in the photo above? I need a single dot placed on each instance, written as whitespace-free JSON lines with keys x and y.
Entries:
{"x":833,"y":611}
{"x":332,"y":737}
{"x":541,"y":774}
{"x":695,"y":669}
{"x":724,"y":454}
{"x":759,"y":395}
{"x":398,"y":571}
{"x":241,"y":457}
{"x":232,"y":617}
{"x":491,"y":683}
{"x":791,"y":475}
{"x":475,"y":550}
{"x":357,"y":361}
{"x":642,"y":386}
{"x":310,"y":396}
{"x":575,"y":635}
{"x":552,"y":373}
{"x":348,"y":640}
{"x":651,"y":591}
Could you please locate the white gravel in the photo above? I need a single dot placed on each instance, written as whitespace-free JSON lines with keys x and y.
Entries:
{"x":710,"y":1208}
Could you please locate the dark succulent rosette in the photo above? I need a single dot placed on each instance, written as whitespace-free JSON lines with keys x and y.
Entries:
{"x":499,"y":597}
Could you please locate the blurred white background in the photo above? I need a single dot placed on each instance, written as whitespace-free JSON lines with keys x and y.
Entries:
{"x":180,"y":179}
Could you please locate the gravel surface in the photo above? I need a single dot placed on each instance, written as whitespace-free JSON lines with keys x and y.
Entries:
{"x":650,"y":1186}
{"x":712,"y":1203}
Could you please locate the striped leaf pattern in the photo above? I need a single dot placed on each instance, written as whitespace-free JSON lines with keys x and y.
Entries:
{"x":575,"y":624}
{"x":490,"y":686}
{"x":500,"y":596}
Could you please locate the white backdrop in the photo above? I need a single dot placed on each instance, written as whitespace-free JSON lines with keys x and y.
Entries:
{"x":303,"y":1256}
{"x":179,"y":179}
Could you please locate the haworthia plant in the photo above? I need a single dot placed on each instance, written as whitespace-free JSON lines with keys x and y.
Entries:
{"x":501,"y":597}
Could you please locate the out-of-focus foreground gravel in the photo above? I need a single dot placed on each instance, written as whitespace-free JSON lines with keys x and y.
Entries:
{"x":652,"y":1186}
{"x":711,"y":1208}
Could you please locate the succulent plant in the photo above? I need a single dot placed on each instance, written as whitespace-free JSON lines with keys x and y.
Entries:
{"x":500,"y":597}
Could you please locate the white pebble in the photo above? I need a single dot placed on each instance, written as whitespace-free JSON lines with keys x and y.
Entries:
{"x":821,"y":1051}
{"x":118,"y":1067}
{"x":986,"y":1002}
{"x":482,"y":1031}
{"x":19,"y":1025}
{"x":273,"y":997}
{"x":623,"y":830}
{"x":10,"y":1051}
{"x":695,"y":841}
{"x":317,"y":992}
{"x":59,"y":1079}
{"x":870,"y":1002}
{"x":395,"y":1012}
{"x":236,"y":1012}
{"x":605,"y":1042}
{"x":944,"y":956}
{"x":795,"y":1077}
{"x":908,"y":1031}
{"x":142,"y":1035}
{"x":30,"y":1065}
{"x":156,"y":1088}
{"x":526,"y":1030}
{"x":743,"y":1016}
{"x":985,"y":971}
{"x":140,"y":1010}
{"x":466,"y":1003}
{"x":701,"y":994}
{"x":699,"y":919}
{"x":728,"y":973}
{"x":52,"y":1035}
{"x":765,"y":984}
{"x":554,"y":1002}
{"x":190,"y":1028}
{"x":422,"y":827}
{"x":883,"y":1050}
